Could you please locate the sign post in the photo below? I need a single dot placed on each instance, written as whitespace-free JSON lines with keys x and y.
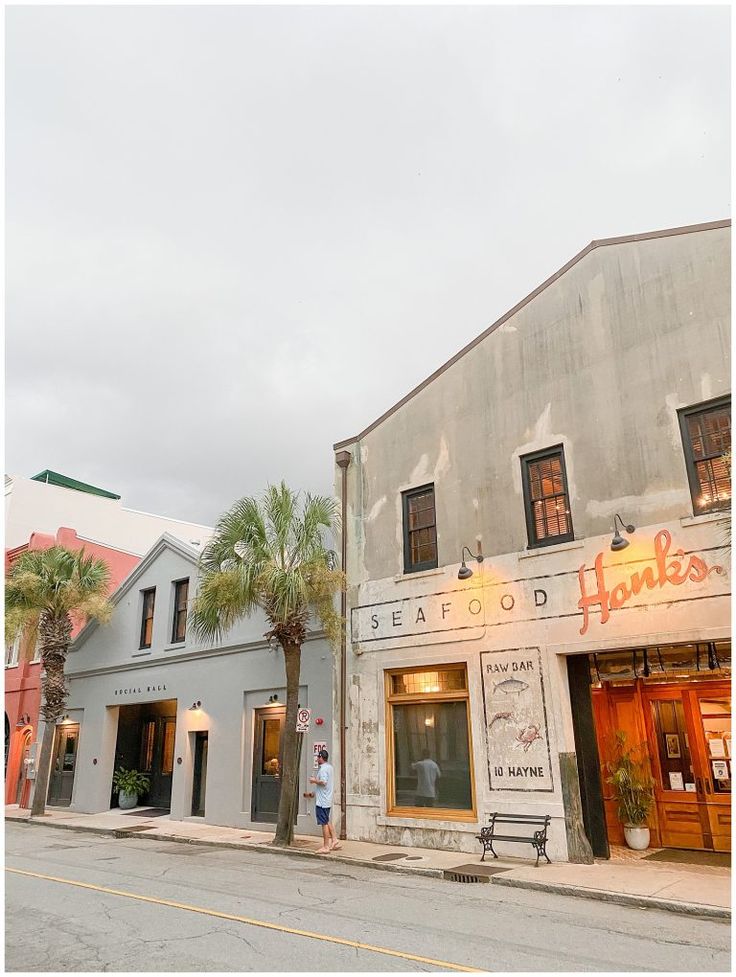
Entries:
{"x":303,"y":718}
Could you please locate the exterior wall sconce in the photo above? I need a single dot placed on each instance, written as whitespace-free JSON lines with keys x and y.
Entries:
{"x":464,"y":573}
{"x":273,"y":698}
{"x":197,"y":704}
{"x":618,"y":542}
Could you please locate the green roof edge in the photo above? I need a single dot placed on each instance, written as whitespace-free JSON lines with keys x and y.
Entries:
{"x":54,"y":478}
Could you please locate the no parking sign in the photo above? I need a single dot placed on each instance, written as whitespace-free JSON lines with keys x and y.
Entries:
{"x":302,"y":720}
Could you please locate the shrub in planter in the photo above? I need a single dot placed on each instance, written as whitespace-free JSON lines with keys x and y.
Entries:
{"x":129,"y":784}
{"x":633,"y":788}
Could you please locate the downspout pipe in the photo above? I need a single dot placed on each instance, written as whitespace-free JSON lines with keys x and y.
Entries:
{"x":343,"y":459}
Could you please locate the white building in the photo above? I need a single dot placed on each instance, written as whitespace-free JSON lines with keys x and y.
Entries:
{"x":48,"y":500}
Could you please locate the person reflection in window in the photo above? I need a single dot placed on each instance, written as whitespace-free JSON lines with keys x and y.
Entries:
{"x":428,"y":773}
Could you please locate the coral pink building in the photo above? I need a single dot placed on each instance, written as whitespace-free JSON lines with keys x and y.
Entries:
{"x":23,"y":667}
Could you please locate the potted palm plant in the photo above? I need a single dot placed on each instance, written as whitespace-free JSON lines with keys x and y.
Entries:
{"x":129,"y":784}
{"x":633,"y":789}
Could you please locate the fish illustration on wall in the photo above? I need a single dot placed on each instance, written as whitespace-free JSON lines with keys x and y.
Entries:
{"x":510,"y":686}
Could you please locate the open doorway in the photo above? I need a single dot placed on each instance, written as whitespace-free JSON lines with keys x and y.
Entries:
{"x":676,"y":701}
{"x":145,"y":742}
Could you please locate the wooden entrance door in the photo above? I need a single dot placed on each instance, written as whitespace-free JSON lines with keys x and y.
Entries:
{"x":267,"y":756}
{"x":157,"y":758}
{"x":63,"y":762}
{"x":714,"y":759}
{"x":687,"y":731}
{"x":691,"y":727}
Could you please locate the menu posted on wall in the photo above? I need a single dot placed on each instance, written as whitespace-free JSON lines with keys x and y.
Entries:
{"x":517,"y":733}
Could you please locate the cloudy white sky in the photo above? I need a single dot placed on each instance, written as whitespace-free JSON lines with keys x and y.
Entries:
{"x":237,"y":235}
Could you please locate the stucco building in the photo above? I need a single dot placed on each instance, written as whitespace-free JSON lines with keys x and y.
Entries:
{"x":604,"y":393}
{"x":204,"y":722}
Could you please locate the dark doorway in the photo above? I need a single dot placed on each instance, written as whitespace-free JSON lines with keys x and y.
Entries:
{"x":267,"y":747}
{"x":63,"y":762}
{"x":200,"y":774}
{"x":146,"y":739}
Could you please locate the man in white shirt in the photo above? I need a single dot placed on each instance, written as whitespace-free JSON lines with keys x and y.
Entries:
{"x":428,"y":773}
{"x":323,"y":802}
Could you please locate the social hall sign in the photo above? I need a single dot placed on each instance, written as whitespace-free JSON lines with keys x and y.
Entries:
{"x":517,"y":735}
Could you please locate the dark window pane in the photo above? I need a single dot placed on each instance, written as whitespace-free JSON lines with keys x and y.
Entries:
{"x":549,"y":516}
{"x":709,"y":432}
{"x":431,"y":755}
{"x":420,"y":546}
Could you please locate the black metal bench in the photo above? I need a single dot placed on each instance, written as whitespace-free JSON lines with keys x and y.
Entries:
{"x":536,"y":838}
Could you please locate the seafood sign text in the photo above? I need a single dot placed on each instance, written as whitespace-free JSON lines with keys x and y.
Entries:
{"x":667,"y":570}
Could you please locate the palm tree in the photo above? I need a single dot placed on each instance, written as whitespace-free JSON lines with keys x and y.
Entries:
{"x":48,"y":592}
{"x":271,"y":555}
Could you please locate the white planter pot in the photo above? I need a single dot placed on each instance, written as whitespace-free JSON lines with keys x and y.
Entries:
{"x":637,"y":836}
{"x":126,"y":801}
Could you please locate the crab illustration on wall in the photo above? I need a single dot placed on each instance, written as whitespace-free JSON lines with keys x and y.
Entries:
{"x":526,"y":736}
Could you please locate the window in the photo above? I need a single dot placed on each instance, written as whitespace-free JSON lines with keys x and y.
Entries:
{"x":420,"y":530}
{"x":149,"y":599}
{"x":429,"y":745}
{"x":181,"y":595}
{"x":12,"y":649}
{"x":546,"y":502}
{"x":706,"y":439}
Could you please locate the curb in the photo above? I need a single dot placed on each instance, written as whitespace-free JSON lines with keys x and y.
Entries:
{"x":435,"y":873}
{"x":621,"y":898}
{"x":555,"y":888}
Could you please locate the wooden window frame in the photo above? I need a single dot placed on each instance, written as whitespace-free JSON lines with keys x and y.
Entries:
{"x":410,"y":567}
{"x":392,"y":699}
{"x":684,"y":415}
{"x":175,"y":639}
{"x":144,"y":595}
{"x":526,"y":461}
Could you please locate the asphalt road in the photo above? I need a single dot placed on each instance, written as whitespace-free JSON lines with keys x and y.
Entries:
{"x":56,"y":926}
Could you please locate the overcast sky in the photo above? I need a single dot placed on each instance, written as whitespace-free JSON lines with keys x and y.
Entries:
{"x":237,"y":235}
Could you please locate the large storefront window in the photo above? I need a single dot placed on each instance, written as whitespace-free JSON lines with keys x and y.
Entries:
{"x":429,"y":746}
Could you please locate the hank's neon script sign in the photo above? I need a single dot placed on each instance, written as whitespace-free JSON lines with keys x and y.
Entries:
{"x":667,"y":570}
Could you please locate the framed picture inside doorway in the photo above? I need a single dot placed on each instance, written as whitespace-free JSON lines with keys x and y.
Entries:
{"x":673,"y":746}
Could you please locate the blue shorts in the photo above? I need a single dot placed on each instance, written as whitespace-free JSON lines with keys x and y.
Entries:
{"x":323,"y":814}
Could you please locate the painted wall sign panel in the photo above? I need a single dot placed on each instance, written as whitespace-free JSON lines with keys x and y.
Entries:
{"x":517,"y":733}
{"x":657,"y":573}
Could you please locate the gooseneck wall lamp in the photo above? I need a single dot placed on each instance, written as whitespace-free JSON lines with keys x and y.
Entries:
{"x":464,"y":573}
{"x":618,"y":542}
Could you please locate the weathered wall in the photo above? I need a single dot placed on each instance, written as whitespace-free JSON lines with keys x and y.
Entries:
{"x":600,"y":362}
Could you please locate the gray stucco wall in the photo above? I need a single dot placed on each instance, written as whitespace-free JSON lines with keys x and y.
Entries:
{"x":107,"y":670}
{"x":600,"y":362}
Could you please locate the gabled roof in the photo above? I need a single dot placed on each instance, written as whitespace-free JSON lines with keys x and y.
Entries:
{"x":165,"y":542}
{"x":603,"y":242}
{"x":64,"y":481}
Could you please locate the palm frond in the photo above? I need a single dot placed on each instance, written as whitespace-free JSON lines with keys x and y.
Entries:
{"x":271,"y":553}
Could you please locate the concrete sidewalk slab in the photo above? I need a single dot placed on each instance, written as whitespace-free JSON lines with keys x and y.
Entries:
{"x":694,"y":890}
{"x":658,"y":885}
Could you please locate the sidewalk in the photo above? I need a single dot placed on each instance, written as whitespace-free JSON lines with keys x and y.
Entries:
{"x":688,"y":889}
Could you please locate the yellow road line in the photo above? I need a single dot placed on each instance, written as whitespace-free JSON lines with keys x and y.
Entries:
{"x":442,"y":964}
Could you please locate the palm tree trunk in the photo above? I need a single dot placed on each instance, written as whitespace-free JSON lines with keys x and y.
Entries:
{"x":290,"y":774}
{"x":55,"y":634}
{"x":43,"y":770}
